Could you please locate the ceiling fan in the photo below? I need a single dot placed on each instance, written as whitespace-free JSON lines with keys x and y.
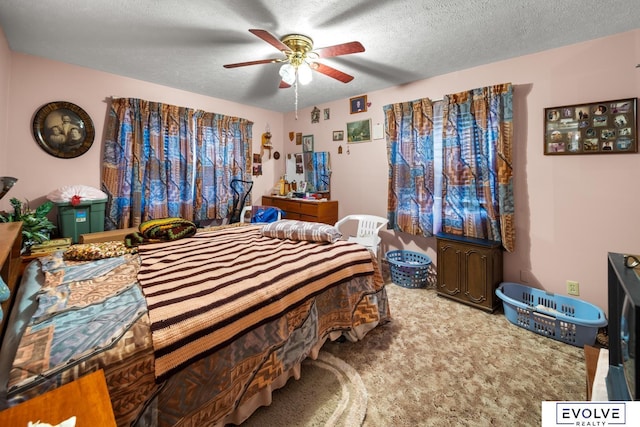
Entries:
{"x":300,"y":57}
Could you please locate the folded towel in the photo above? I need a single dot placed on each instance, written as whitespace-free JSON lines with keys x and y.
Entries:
{"x":161,"y":230}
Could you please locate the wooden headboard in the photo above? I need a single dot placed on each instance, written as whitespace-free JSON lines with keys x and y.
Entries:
{"x":10,"y":265}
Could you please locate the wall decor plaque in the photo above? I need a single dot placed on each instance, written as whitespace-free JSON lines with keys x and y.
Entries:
{"x":591,"y":128}
{"x":63,"y":129}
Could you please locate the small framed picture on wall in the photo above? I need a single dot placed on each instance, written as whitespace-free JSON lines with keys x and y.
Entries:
{"x":307,"y":143}
{"x":358,"y":104}
{"x":359,"y":131}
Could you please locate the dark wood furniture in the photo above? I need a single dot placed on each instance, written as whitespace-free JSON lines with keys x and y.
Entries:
{"x":591,"y":355}
{"x":86,"y":398}
{"x":469,"y":270}
{"x":10,"y":264}
{"x":305,"y":210}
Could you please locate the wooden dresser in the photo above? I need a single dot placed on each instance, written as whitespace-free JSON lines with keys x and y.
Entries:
{"x":305,"y":210}
{"x":469,"y":270}
{"x":10,"y":264}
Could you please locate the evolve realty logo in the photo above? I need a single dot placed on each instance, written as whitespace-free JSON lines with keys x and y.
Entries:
{"x":584,"y":414}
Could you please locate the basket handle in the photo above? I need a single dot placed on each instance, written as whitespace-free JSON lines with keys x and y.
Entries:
{"x":544,"y":315}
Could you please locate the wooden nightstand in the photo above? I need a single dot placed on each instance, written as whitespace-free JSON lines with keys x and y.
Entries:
{"x":469,"y":270}
{"x":87,"y":398}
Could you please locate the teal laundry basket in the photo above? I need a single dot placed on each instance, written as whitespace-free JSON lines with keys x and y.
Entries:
{"x":409,"y":269}
{"x":559,"y":317}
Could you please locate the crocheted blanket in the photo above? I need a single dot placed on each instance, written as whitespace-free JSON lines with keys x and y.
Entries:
{"x":161,"y":230}
{"x":205,"y":291}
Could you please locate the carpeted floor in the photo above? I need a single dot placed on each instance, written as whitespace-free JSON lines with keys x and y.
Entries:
{"x":441,"y":363}
{"x":330,"y":393}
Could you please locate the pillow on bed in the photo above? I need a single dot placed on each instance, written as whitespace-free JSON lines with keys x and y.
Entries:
{"x":93,"y":251}
{"x":301,"y":230}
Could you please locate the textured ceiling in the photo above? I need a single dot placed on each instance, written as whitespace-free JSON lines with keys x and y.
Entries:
{"x":184,"y":43}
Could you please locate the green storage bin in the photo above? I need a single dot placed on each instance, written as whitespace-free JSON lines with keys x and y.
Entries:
{"x":85,"y":217}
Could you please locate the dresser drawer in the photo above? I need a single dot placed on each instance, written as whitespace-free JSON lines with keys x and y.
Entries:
{"x":295,"y":215}
{"x":287,"y":205}
{"x":308,"y":209}
{"x":305,"y":210}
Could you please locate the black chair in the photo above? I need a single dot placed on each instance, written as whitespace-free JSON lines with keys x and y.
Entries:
{"x":241,"y":190}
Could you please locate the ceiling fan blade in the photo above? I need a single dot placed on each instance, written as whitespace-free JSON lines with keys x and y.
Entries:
{"x":284,"y":85}
{"x":244,"y":64}
{"x":339,"y":49}
{"x":331,"y":72}
{"x":271,"y":39}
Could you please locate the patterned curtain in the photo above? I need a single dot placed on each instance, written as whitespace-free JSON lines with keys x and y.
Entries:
{"x":222,"y":154}
{"x":321,"y":170}
{"x":149,"y":169}
{"x":477,"y":165}
{"x":409,"y":130}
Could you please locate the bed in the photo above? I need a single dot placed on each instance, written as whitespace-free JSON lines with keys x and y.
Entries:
{"x":195,"y":331}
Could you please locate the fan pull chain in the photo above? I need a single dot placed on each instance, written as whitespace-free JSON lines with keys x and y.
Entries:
{"x":295,"y":89}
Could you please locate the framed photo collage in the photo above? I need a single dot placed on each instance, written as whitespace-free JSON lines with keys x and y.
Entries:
{"x":594,"y":128}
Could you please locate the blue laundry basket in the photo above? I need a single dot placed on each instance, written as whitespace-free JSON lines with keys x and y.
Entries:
{"x":562,"y":318}
{"x":409,"y":269}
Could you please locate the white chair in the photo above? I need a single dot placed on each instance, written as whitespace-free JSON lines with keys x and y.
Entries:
{"x":367,"y":232}
{"x":243,"y":214}
{"x":251,"y":211}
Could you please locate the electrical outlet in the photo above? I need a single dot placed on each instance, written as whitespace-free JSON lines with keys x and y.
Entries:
{"x":573,"y":287}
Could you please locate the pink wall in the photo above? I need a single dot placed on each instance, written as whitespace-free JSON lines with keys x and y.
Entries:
{"x":5,"y":65}
{"x":36,"y":81}
{"x":571,"y":210}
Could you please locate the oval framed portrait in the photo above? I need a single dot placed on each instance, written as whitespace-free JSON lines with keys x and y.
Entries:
{"x":63,"y":129}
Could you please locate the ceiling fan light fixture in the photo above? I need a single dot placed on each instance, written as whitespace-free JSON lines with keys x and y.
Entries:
{"x":288,"y":73}
{"x":304,"y":74}
{"x":299,"y":63}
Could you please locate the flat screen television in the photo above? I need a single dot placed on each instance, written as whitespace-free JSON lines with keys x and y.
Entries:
{"x":623,"y":380}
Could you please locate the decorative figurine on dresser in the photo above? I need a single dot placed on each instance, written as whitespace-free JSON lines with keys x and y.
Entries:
{"x":469,"y":270}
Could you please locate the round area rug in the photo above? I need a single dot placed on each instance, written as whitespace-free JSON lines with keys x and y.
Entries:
{"x":329,"y":393}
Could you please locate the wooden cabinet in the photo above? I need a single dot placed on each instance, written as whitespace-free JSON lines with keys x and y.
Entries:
{"x":86,"y":398}
{"x":469,"y":270}
{"x":305,"y":210}
{"x":10,"y":264}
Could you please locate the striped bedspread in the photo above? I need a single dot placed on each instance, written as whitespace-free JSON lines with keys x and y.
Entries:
{"x":204,"y":291}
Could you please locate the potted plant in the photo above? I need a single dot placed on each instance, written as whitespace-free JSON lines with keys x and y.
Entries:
{"x":36,"y":227}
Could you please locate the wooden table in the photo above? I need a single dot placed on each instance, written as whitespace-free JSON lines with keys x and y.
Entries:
{"x":591,"y":355}
{"x":87,"y":398}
